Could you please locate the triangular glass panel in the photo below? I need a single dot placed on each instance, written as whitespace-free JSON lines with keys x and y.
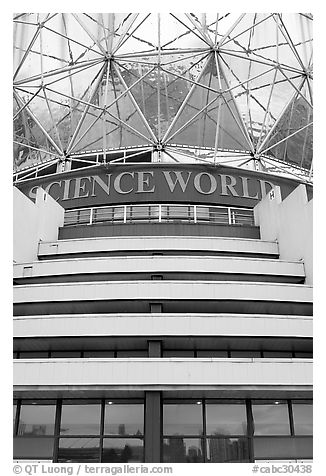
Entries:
{"x":299,"y":28}
{"x":120,"y":125}
{"x":214,"y":117}
{"x":170,"y":84}
{"x":259,"y":37}
{"x":31,"y":145}
{"x":291,"y":139}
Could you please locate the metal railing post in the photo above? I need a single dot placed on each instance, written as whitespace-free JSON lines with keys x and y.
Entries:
{"x":160,"y":213}
{"x":91,"y":216}
{"x":229,"y":216}
{"x":195,"y":213}
{"x":125,"y":214}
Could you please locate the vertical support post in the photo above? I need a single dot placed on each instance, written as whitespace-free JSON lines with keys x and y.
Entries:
{"x":160,"y":213}
{"x":154,"y":348}
{"x":91,"y":216}
{"x":153,"y":424}
{"x":229,"y":215}
{"x":125,"y":214}
{"x":195,"y":214}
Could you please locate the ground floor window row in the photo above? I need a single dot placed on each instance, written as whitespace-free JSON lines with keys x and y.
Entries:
{"x":164,"y":354}
{"x":209,"y":430}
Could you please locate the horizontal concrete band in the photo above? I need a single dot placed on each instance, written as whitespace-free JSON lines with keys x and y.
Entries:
{"x":169,"y":371}
{"x":162,"y":325}
{"x":163,"y":290}
{"x":161,"y":264}
{"x":84,"y":245}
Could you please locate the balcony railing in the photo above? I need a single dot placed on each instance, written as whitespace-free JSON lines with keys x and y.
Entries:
{"x":159,"y":213}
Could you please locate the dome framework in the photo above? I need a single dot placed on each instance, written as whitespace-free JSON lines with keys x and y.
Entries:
{"x":112,"y":87}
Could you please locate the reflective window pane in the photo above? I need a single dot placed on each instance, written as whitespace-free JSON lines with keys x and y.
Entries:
{"x":79,"y":450}
{"x":245,"y":354}
{"x":182,"y":419}
{"x":183,"y":450}
{"x":227,"y":450}
{"x":123,"y":450}
{"x":223,"y":354}
{"x":283,"y":447}
{"x":278,"y":354}
{"x":271,"y":418}
{"x":124,"y":419}
{"x":302,"y":418}
{"x":226,"y":419}
{"x":98,"y":354}
{"x":178,"y":353}
{"x":33,"y":448}
{"x":65,"y":354}
{"x":131,"y":353}
{"x":14,"y":415}
{"x":33,"y":355}
{"x":36,"y":420}
{"x":80,"y":418}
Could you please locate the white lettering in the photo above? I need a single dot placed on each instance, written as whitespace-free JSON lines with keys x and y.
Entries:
{"x":80,"y":187}
{"x":197,"y":183}
{"x":178,"y":180}
{"x":144,"y":181}
{"x":228,"y":186}
{"x":245,"y":187}
{"x":104,"y":186}
{"x":117,"y":182}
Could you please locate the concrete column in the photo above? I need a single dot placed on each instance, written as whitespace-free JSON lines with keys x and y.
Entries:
{"x":153,"y":423}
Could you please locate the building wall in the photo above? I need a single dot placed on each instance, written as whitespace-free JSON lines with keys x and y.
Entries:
{"x":289,"y":222}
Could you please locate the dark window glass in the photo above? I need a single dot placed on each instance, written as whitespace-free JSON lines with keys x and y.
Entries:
{"x":271,"y":418}
{"x":15,"y":355}
{"x":80,"y":418}
{"x":79,"y":450}
{"x":33,"y":448}
{"x":183,"y":450}
{"x":227,"y":450}
{"x":303,"y":355}
{"x":66,"y":354}
{"x":36,"y":419}
{"x":132,"y":353}
{"x":302,"y":418}
{"x":245,"y":353}
{"x":123,"y":450}
{"x":124,"y":419}
{"x":33,"y":355}
{"x":14,"y":415}
{"x":278,"y":448}
{"x":278,"y":354}
{"x":98,"y":353}
{"x":182,"y":419}
{"x":178,"y":353}
{"x":226,"y":419}
{"x":212,"y":353}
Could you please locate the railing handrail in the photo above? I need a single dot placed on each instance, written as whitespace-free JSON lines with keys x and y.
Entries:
{"x":234,"y":214}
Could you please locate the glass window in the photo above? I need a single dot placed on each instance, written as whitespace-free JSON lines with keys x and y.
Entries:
{"x":124,"y":419}
{"x":303,"y":355}
{"x":212,"y":353}
{"x":182,"y":419}
{"x":33,"y":448}
{"x":183,"y":450}
{"x":302,"y":418}
{"x":102,"y":214}
{"x":98,"y":353}
{"x":65,"y":354}
{"x":79,"y":450}
{"x":202,"y":213}
{"x":278,"y":354}
{"x":227,"y":450}
{"x":78,"y":418}
{"x":245,"y":354}
{"x":14,"y":415}
{"x":123,"y":450}
{"x":283,"y":447}
{"x":178,"y":353}
{"x":34,"y":355}
{"x":132,"y":353}
{"x":226,"y":419}
{"x":36,"y":418}
{"x":271,"y":418}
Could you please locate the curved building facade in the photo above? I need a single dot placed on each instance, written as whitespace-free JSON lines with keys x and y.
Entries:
{"x":162,"y":313}
{"x":162,"y":237}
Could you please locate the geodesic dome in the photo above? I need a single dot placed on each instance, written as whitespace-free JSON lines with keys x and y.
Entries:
{"x":216,"y":88}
